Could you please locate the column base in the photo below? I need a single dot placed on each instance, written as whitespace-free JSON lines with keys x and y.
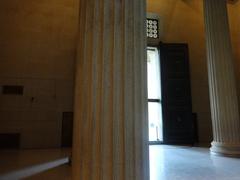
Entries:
{"x":225,"y":149}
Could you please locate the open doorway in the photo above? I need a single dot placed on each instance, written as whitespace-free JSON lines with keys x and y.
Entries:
{"x":170,"y":117}
{"x":154,"y":95}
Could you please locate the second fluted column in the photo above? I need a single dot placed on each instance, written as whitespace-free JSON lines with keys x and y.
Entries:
{"x":223,"y":96}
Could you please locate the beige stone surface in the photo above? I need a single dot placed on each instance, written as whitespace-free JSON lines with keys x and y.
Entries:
{"x":37,"y":51}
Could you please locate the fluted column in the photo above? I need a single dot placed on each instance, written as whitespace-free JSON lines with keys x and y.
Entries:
{"x":223,"y":96}
{"x":110,"y":121}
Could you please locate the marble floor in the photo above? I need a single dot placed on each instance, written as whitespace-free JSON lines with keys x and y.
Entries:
{"x":12,"y":160}
{"x":191,"y":163}
{"x":166,"y":163}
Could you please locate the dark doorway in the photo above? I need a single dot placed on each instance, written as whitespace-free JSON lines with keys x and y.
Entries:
{"x":9,"y":140}
{"x":67,"y":129}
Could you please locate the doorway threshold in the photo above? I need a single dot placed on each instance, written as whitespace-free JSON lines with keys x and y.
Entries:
{"x":155,"y":142}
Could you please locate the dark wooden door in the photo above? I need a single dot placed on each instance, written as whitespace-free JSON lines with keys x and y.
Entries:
{"x":178,"y":127}
{"x":67,"y":129}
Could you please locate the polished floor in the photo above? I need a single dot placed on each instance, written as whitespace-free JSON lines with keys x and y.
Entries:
{"x":191,"y":163}
{"x":166,"y":163}
{"x":13,"y":160}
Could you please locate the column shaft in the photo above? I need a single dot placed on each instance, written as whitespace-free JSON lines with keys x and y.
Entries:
{"x":223,"y":96}
{"x":110,"y":121}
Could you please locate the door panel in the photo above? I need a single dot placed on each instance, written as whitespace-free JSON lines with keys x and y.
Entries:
{"x":176,"y":94}
{"x":178,"y":91}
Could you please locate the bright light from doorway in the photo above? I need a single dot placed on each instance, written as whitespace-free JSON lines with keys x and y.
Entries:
{"x":154,"y":95}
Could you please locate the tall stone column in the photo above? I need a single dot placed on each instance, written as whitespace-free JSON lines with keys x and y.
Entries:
{"x":223,"y":96}
{"x":110,"y":115}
